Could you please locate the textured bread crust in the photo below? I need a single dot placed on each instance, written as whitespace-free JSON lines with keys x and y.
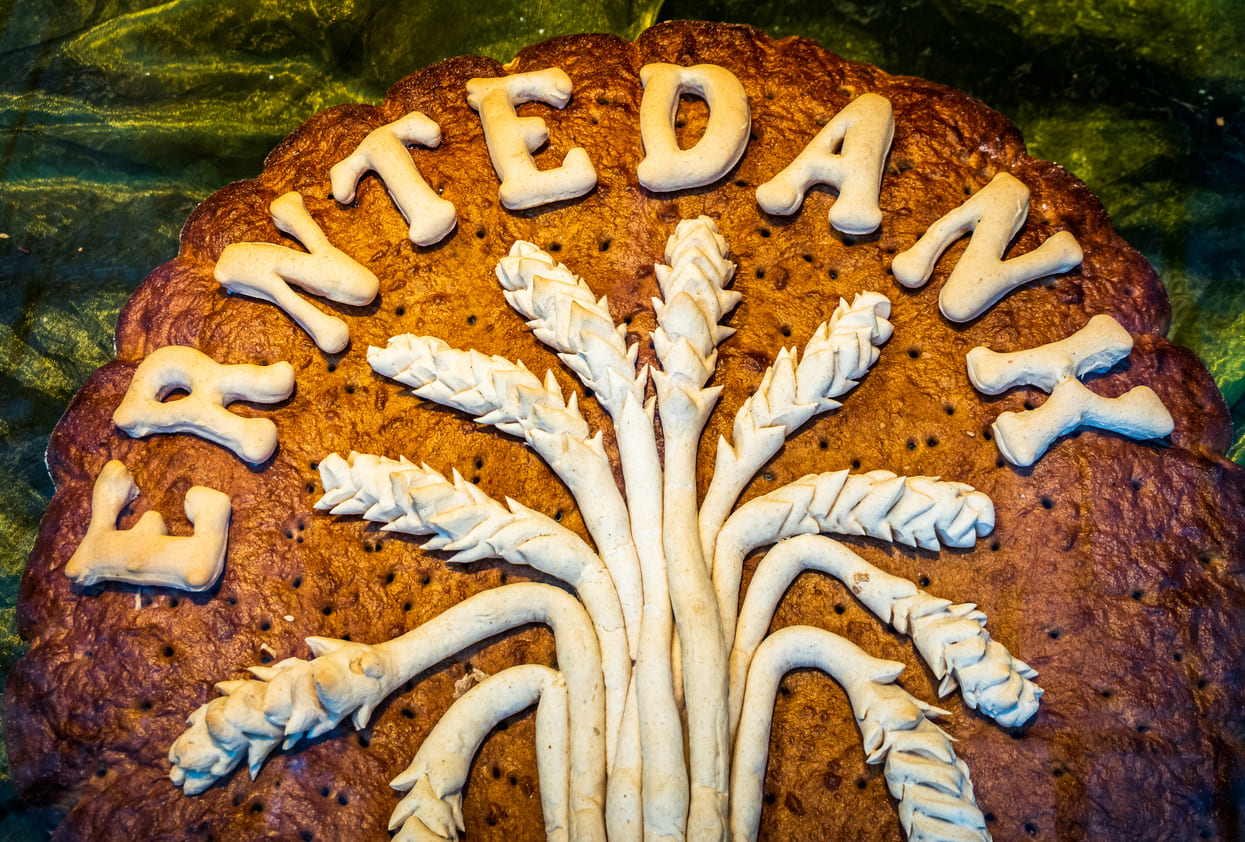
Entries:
{"x":1114,"y":570}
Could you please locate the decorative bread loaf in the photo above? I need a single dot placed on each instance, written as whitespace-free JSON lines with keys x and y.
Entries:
{"x":862,"y":466}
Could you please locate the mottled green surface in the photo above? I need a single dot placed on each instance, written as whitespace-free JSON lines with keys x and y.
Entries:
{"x":117,"y":117}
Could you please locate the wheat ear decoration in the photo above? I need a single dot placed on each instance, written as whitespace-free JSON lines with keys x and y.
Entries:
{"x":564,"y":314}
{"x":918,"y":511}
{"x":508,"y":396}
{"x":839,"y":354}
{"x":686,"y":341}
{"x":296,"y":698}
{"x":935,"y":792}
{"x":951,"y":639}
{"x":462,"y":519}
{"x":435,"y":778}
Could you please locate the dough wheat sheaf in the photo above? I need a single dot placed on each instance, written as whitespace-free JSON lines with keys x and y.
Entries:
{"x":402,"y":584}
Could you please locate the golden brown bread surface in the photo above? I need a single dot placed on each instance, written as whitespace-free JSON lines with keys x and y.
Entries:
{"x":1114,"y":568}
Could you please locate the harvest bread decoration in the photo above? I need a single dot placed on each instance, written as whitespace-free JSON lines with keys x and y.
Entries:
{"x":680,"y":210}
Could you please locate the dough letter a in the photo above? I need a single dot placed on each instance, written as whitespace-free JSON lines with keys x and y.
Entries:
{"x":848,"y":154}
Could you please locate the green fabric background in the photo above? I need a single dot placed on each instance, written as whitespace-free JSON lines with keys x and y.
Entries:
{"x":118,"y":116}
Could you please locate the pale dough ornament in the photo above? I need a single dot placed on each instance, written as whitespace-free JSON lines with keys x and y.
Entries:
{"x":849,"y":154}
{"x":383,"y":151}
{"x":512,"y":139}
{"x":435,"y":778}
{"x":265,"y":271}
{"x":1022,"y":437}
{"x":146,"y":554}
{"x":211,"y":387}
{"x":981,"y":277}
{"x":665,"y":166}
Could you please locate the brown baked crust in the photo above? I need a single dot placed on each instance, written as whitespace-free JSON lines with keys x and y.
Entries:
{"x":1114,"y":570}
